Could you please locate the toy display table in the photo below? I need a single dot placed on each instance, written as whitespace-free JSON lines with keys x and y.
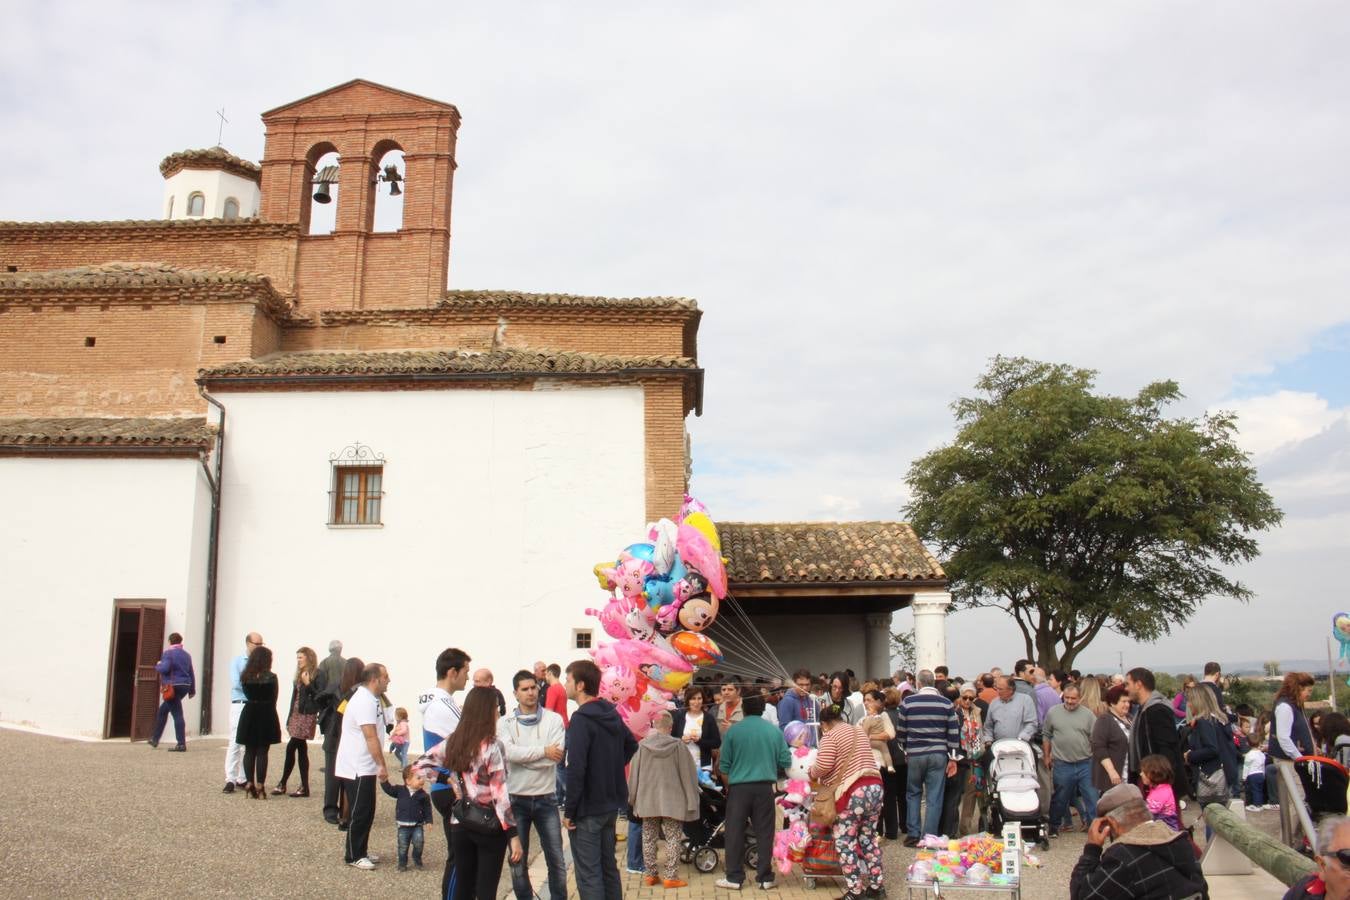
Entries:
{"x":938,"y":889}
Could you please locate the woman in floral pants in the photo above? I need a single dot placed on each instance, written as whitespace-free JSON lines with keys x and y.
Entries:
{"x":855,"y":840}
{"x":844,"y":764}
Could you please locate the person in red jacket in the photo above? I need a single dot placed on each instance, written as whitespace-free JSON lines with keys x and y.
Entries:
{"x":555,"y":699}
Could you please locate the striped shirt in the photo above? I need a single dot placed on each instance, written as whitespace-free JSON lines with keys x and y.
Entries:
{"x":928,"y":725}
{"x":844,"y":752}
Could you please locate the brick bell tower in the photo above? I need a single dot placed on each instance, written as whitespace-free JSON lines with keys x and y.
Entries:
{"x":356,"y":267}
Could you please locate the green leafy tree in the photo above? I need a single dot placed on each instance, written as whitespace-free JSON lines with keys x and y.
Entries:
{"x":1271,"y":668}
{"x":902,"y":648}
{"x":1074,"y":511}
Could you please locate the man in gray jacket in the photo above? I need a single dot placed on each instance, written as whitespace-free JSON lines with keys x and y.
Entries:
{"x":663,"y":793}
{"x":532,"y":737}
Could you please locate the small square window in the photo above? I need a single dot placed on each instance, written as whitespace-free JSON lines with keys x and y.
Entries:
{"x":219,"y":339}
{"x":11,"y":268}
{"x":357,"y":493}
{"x":89,"y":342}
{"x":581,"y":639}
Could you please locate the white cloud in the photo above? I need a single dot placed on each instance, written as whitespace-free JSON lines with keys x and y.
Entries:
{"x":1269,"y":422}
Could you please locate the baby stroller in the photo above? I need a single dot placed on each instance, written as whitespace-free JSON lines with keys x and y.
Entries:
{"x":1013,"y":796}
{"x":1324,"y":785}
{"x":707,"y":834}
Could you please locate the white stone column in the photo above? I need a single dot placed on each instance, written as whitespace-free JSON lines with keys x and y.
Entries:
{"x":930,"y":629}
{"x":876,"y":646}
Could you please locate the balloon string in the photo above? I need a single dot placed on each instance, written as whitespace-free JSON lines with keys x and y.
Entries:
{"x":738,"y":609}
{"x":745,"y":648}
{"x":745,"y":638}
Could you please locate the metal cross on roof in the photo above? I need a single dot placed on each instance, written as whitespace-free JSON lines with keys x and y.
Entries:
{"x":220,"y":134}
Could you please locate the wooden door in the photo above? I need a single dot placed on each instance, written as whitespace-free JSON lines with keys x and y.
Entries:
{"x":149,"y":648}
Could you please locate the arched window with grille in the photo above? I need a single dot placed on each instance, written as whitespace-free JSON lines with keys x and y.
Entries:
{"x":196,"y":204}
{"x":231,"y":208}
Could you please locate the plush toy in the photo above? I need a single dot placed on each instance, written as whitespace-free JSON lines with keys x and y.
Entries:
{"x":798,"y":781}
{"x":789,"y":845}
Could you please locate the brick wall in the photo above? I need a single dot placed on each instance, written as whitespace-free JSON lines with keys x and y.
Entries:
{"x":246,"y":246}
{"x":664,"y":404}
{"x":443,"y":329}
{"x":144,"y":360}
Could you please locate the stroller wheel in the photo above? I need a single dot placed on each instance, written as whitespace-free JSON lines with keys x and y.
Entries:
{"x":1044,"y":844}
{"x":686,"y":851}
{"x":752,"y":856}
{"x":705,"y":859}
{"x":809,"y":882}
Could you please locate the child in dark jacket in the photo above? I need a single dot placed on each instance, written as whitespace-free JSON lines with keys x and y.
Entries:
{"x":412,"y":810}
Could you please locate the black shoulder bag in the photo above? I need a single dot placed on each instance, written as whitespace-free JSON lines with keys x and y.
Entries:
{"x":474,"y":816}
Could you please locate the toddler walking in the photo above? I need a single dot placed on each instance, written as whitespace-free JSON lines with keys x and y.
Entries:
{"x":412,"y":810}
{"x":398,"y":739}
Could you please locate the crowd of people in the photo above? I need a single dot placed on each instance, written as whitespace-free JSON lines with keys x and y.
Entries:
{"x":909,"y":753}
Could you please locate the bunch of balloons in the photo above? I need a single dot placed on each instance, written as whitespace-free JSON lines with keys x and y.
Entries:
{"x":664,"y":593}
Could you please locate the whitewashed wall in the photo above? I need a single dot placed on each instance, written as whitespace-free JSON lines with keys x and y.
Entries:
{"x":216,"y":187}
{"x":81,"y":532}
{"x":497,"y":504}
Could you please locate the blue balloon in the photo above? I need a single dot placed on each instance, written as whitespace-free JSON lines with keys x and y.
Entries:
{"x":661,"y":588}
{"x":645,"y":552}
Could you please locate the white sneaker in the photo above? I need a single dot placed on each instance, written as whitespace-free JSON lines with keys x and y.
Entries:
{"x":365,"y":863}
{"x":768,"y":885}
{"x":373,"y":857}
{"x":1251,"y":808}
{"x":727,"y":885}
{"x":1270,"y":806}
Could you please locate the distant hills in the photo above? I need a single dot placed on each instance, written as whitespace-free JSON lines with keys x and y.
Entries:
{"x":1241,"y":667}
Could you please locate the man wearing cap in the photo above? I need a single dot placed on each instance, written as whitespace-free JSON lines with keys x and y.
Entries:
{"x":1145,"y":859}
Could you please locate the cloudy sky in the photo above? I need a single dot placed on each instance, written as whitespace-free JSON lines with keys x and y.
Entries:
{"x":868,"y":203}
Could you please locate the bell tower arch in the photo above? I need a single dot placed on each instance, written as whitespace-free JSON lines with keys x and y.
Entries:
{"x":356,"y":267}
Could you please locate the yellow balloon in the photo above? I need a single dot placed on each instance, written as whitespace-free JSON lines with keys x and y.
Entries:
{"x":601,"y":577}
{"x":705,"y":527}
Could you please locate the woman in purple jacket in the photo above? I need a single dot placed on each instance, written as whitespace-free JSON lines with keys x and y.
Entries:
{"x":175,"y":675}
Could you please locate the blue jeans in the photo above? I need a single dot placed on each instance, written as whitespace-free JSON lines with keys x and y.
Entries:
{"x":409,"y":835}
{"x":593,"y":848}
{"x":542,"y":813}
{"x":1073,"y":780}
{"x":1256,"y":789}
{"x":927,"y":776}
{"x":168,"y":708}
{"x":635,"y":861}
{"x":401,"y":754}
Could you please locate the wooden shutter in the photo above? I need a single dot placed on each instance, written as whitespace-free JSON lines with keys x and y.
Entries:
{"x":145,"y":698}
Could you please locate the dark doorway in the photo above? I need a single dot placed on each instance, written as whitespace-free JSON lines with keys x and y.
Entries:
{"x":133,"y":684}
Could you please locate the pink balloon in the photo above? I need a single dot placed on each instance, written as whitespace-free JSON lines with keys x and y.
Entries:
{"x":617,"y":684}
{"x":629,"y":576}
{"x":698,"y":554}
{"x":624,"y":618}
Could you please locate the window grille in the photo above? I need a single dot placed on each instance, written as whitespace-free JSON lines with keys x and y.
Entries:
{"x":357,"y":492}
{"x":582,"y":639}
{"x":196,"y":205}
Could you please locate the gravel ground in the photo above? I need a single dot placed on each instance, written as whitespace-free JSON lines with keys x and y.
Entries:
{"x":146,"y":822}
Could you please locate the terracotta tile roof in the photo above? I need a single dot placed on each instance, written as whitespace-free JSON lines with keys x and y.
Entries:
{"x":210,"y":158}
{"x":531,"y":362}
{"x":158,"y":228}
{"x":506,"y":300}
{"x":185,"y":434}
{"x":794,"y":553}
{"x":127,"y":274}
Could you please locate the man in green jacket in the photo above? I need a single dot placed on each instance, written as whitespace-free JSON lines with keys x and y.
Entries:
{"x":753,"y":753}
